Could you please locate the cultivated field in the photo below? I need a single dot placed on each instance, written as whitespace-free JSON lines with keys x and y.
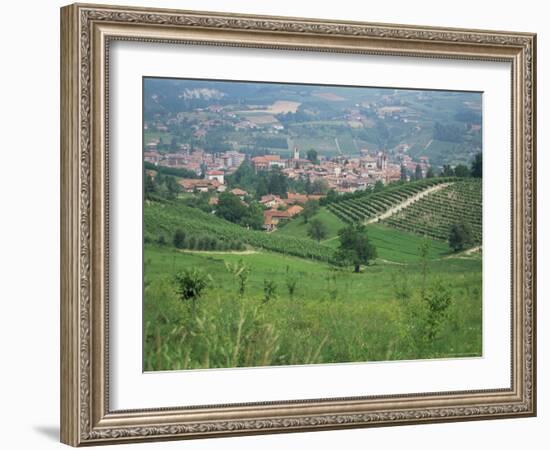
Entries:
{"x":279,"y":300}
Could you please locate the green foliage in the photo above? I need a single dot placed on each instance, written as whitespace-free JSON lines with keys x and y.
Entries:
{"x":437,"y":301}
{"x":173,"y":171}
{"x":430,"y":172}
{"x":447,"y":171}
{"x":162,"y":186}
{"x":166,"y":217}
{"x":418,"y":172}
{"x":312,"y":155}
{"x":230,"y":207}
{"x":277,"y":183}
{"x":355,"y":248}
{"x":270,"y":290}
{"x":404,"y":173}
{"x":434,"y":214}
{"x":179,"y":239}
{"x":191,"y":284}
{"x":449,"y":132}
{"x":291,"y":283}
{"x":477,"y":166}
{"x":460,"y":236}
{"x":462,"y":171}
{"x":310,"y":208}
{"x":319,"y":186}
{"x":333,"y":316}
{"x":240,"y":272}
{"x":317,"y":230}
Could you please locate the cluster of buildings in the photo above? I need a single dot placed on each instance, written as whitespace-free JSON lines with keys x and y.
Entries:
{"x":196,"y":160}
{"x":343,"y":174}
{"x":282,"y":209}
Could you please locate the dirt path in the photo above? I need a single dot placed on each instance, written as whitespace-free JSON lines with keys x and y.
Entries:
{"x":208,"y":252}
{"x":407,"y":202}
{"x":468,"y":252}
{"x":399,"y":206}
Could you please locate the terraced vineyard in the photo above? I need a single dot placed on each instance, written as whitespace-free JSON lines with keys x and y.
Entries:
{"x":164,"y":218}
{"x":373,"y":204}
{"x":434,"y":214}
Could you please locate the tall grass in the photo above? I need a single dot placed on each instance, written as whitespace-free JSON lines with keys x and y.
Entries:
{"x":232,"y":330}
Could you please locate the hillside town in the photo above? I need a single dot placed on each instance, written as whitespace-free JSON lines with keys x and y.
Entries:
{"x":343,"y":174}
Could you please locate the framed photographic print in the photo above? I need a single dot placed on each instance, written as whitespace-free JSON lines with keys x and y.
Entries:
{"x":276,"y":224}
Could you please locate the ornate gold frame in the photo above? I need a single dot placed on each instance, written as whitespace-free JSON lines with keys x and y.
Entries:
{"x":86,"y":31}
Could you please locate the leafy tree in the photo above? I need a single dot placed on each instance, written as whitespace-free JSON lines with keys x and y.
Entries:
{"x":261,"y":187}
{"x":245,"y":177}
{"x":172,"y":186}
{"x":230,"y":207}
{"x":254,"y":217}
{"x":200,"y":200}
{"x":308,"y":187}
{"x":312,"y":156}
{"x":204,"y":169}
{"x":378,"y":186}
{"x":150,"y":187}
{"x":418,"y":172}
{"x":403,"y":173}
{"x":477,"y":166}
{"x":179,"y":239}
{"x":320,"y":186}
{"x":277,"y":183}
{"x":317,"y":230}
{"x":447,"y":171}
{"x":332,"y":195}
{"x":462,"y":171}
{"x":355,"y":248}
{"x":460,"y":236}
{"x":190,"y":285}
{"x":430,"y":172}
{"x":310,"y":208}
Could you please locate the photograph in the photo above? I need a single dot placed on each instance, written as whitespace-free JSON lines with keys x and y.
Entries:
{"x":296,"y":224}
{"x":282,"y":223}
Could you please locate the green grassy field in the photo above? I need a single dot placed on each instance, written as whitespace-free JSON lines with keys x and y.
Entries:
{"x":391,"y":245}
{"x":298,"y":228}
{"x":333,"y":315}
{"x":293,"y":306}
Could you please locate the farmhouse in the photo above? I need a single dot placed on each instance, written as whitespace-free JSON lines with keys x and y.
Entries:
{"x":294,"y":210}
{"x":192,"y":185}
{"x":267,"y":162}
{"x":239,"y":193}
{"x":152,"y":157}
{"x":273,"y":217}
{"x":272,"y":201}
{"x":215,"y":175}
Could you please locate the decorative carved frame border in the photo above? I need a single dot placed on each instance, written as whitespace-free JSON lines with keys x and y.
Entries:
{"x":86,"y":31}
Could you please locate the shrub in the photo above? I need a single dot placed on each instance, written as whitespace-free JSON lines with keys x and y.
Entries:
{"x":179,"y":239}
